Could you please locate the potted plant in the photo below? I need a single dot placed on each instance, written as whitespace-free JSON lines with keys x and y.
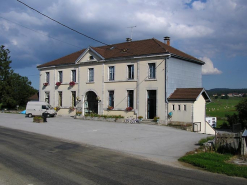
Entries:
{"x":78,"y":113}
{"x":140,"y":118}
{"x":129,"y":109}
{"x":45,"y":84}
{"x":58,"y":83}
{"x":38,"y":119}
{"x":72,"y":83}
{"x":57,"y":108}
{"x":72,"y":108}
{"x":109,"y":107}
{"x":156,"y":118}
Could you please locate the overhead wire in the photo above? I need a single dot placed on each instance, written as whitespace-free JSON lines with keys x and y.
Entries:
{"x":39,"y":32}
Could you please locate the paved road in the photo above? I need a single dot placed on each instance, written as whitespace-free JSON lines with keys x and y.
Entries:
{"x":158,"y":143}
{"x":32,"y":159}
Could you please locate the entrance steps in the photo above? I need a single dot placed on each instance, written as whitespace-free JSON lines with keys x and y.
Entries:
{"x":149,"y":122}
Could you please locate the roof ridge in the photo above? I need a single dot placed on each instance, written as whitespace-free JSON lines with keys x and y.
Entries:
{"x":157,"y":42}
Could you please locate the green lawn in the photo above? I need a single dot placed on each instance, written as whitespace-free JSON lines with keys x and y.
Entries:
{"x":216,"y":163}
{"x":220,"y":107}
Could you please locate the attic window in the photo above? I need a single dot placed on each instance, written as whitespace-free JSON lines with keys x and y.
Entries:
{"x":91,"y":57}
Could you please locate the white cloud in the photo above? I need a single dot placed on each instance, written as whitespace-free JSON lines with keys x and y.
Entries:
{"x":208,"y":68}
{"x":198,"y":5}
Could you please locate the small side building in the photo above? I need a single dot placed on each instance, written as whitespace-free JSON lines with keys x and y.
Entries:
{"x":188,"y":105}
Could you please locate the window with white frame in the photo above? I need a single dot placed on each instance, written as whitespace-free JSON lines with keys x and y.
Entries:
{"x":111,"y":98}
{"x":130,"y":98}
{"x":173,"y":107}
{"x":111,"y":73}
{"x":60,"y":76}
{"x":151,"y":71}
{"x":73,"y":75}
{"x":179,"y":107}
{"x":73,"y":95}
{"x":130,"y":71}
{"x":60,"y":98}
{"x":91,"y":74}
{"x":47,"y":97}
{"x":185,"y":108}
{"x":47,"y":77}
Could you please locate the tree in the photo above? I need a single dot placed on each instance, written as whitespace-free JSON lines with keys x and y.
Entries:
{"x":14,"y":89}
{"x":241,"y":117}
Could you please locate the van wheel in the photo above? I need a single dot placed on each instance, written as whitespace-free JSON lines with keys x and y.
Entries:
{"x":29,"y":115}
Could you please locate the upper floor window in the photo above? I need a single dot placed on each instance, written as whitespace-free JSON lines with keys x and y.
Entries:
{"x":91,"y":57}
{"x":60,"y":76}
{"x":47,"y":77}
{"x":179,"y":107}
{"x":130,"y":98}
{"x":185,"y":108}
{"x":91,"y":74}
{"x":130,"y":71}
{"x":73,"y":75}
{"x":111,"y":98}
{"x":173,"y":107}
{"x":111,"y":72}
{"x":151,"y":71}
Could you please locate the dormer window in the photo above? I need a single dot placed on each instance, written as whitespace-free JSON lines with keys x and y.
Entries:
{"x":91,"y":57}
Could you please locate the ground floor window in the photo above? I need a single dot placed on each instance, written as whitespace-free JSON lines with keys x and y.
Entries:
{"x":47,"y":97}
{"x":111,"y":98}
{"x":60,"y":98}
{"x":73,"y":93}
{"x":130,"y":98}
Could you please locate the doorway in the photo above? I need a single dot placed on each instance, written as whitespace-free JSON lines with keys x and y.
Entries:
{"x":91,"y":103}
{"x":151,"y":104}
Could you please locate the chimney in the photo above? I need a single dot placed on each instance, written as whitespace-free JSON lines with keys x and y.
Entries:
{"x":167,"y":40}
{"x":128,"y":39}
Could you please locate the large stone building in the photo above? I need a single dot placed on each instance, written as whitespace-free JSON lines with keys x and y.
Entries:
{"x":108,"y":79}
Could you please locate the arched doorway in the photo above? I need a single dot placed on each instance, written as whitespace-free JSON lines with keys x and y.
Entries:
{"x":91,"y":103}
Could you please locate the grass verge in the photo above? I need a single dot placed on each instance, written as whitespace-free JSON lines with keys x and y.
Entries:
{"x":216,"y":163}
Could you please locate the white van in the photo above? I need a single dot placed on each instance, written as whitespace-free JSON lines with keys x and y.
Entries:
{"x":36,"y":108}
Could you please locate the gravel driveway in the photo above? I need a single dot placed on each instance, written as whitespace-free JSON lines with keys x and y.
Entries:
{"x":157,"y":143}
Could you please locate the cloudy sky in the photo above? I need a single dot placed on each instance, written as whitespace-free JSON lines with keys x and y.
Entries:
{"x":214,"y":31}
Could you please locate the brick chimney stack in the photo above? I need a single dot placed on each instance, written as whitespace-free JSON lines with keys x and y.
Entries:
{"x":167,"y":40}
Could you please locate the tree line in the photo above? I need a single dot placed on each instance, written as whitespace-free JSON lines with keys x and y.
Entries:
{"x":14,"y":88}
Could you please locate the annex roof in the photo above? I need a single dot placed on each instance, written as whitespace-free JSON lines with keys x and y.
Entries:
{"x":131,"y":49}
{"x":188,"y":94}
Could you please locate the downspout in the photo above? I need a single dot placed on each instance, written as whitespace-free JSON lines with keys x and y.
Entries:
{"x":54,"y":95}
{"x":137,"y":88}
{"x":103,"y":89}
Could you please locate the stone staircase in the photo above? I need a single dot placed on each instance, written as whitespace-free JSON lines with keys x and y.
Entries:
{"x":149,"y":122}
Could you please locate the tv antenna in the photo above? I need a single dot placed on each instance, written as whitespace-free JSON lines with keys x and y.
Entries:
{"x":131,"y":27}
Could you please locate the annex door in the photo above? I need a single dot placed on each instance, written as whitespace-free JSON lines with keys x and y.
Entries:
{"x":151,"y":104}
{"x":91,"y":103}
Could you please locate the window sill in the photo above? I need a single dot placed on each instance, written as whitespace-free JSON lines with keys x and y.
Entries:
{"x":151,"y":79}
{"x":90,"y":82}
{"x":120,"y":81}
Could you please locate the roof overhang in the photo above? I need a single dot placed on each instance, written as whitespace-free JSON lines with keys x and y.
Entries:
{"x":187,"y":59}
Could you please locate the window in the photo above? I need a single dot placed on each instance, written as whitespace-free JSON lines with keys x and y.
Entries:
{"x":73,"y":75}
{"x":184,"y":107}
{"x":47,"y":77}
{"x":91,"y":74}
{"x":47,"y":97}
{"x":173,"y":107}
{"x":60,"y":98}
{"x":60,"y":76}
{"x":179,"y":107}
{"x":151,"y":71}
{"x":111,"y":98}
{"x":111,"y":72}
{"x":130,"y":98}
{"x":130,"y":71}
{"x":73,"y":101}
{"x":91,"y":57}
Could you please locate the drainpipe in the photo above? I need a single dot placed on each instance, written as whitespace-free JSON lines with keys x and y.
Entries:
{"x":137,"y":89}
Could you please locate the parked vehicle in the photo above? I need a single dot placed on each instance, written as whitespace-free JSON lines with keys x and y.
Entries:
{"x":37,"y":108}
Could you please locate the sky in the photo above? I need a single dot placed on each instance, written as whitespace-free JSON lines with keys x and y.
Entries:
{"x":214,"y":31}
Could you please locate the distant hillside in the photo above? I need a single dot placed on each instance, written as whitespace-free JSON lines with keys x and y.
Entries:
{"x":225,"y":91}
